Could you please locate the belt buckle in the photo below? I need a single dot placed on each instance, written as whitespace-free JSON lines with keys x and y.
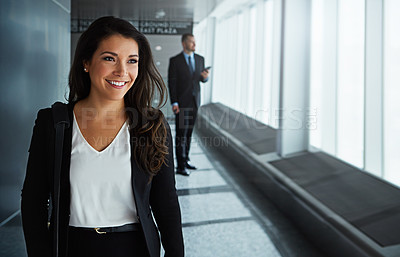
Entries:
{"x":98,"y":231}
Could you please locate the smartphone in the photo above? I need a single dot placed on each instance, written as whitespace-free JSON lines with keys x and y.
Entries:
{"x":207,"y":68}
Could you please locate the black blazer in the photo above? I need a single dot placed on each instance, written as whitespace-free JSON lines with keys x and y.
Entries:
{"x":184,"y":88}
{"x":159,"y":195}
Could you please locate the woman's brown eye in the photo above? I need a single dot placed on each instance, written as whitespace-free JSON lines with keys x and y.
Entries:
{"x":108,"y":58}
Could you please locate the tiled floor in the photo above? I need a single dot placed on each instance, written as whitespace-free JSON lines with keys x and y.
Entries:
{"x":222,"y":217}
{"x":12,"y":242}
{"x":218,"y":218}
{"x":215,"y":221}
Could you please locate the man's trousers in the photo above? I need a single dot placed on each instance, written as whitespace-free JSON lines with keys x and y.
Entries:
{"x":184,"y":124}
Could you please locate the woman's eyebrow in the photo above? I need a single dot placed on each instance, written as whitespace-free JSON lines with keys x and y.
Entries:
{"x":114,"y":54}
{"x":108,"y":52}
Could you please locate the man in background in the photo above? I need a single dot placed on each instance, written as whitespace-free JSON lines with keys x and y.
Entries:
{"x":185,"y":72}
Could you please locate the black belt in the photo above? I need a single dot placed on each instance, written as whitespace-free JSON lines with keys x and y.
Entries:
{"x":123,"y":228}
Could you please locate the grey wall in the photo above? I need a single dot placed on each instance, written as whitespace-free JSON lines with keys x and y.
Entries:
{"x":170,"y":46}
{"x":34,"y":65}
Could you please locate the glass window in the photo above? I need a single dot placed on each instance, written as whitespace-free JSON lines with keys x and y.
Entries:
{"x":230,"y":59}
{"x":251,"y":61}
{"x":218,"y":67}
{"x":350,"y":88}
{"x":239,"y":61}
{"x":391,"y":75}
{"x":316,"y":79}
{"x":264,"y":114}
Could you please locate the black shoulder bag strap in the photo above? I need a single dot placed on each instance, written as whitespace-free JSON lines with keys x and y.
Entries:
{"x":61,"y":122}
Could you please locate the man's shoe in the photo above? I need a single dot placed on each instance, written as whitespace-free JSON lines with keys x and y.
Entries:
{"x":190,"y":166}
{"x":183,"y":172}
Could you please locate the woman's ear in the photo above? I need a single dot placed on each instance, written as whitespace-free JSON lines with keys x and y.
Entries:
{"x":86,"y":66}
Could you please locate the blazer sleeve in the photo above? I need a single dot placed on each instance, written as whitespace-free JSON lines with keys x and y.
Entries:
{"x":165,"y":206}
{"x":202,"y":68}
{"x":35,"y":193}
{"x":172,"y":80}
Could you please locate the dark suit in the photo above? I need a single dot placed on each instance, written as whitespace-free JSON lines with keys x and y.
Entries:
{"x":184,"y":89}
{"x":160,"y":195}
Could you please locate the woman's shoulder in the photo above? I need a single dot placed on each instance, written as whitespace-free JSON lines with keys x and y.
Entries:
{"x":45,"y":115}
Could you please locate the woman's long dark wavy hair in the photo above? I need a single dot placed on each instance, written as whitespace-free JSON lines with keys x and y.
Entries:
{"x":146,"y":123}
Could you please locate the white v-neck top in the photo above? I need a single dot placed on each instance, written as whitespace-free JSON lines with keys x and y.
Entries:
{"x":101,"y":188}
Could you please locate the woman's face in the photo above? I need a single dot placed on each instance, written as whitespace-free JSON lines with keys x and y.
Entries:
{"x":113,"y":68}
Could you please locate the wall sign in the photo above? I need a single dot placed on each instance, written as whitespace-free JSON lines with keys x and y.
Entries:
{"x":165,"y":27}
{"x":146,"y":27}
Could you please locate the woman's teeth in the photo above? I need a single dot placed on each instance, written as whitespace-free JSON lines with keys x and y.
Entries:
{"x":116,"y":83}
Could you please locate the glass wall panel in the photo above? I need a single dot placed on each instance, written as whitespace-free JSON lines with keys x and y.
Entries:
{"x":237,"y":66}
{"x":350,"y":88}
{"x":263,"y":115}
{"x":244,"y":51}
{"x":316,"y":76}
{"x":218,"y":84}
{"x":251,"y":62}
{"x":230,"y":59}
{"x":239,"y":60}
{"x":391,"y":75}
{"x":225,"y":86}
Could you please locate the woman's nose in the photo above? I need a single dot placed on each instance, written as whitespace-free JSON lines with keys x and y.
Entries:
{"x":121,"y":70}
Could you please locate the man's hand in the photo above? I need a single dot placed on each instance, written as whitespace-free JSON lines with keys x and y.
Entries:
{"x":175,"y":108}
{"x":205,"y":74}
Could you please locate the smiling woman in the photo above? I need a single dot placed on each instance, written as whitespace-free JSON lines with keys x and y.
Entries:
{"x":114,"y":65}
{"x":118,"y":166}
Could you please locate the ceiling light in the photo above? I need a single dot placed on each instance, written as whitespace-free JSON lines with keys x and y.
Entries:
{"x":158,"y":48}
{"x":160,"y":14}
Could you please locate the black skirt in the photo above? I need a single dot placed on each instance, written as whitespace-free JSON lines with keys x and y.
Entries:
{"x":88,"y":243}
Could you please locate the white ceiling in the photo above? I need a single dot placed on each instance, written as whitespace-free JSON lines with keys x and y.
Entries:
{"x":175,"y":10}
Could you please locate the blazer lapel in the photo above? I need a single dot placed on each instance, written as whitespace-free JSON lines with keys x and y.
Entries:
{"x":139,"y":178}
{"x":197,"y":64}
{"x":66,"y":161}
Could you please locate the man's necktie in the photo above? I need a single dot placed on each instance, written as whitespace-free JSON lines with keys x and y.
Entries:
{"x":190,"y":66}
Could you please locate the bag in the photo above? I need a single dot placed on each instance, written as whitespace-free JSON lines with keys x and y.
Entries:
{"x":61,"y":122}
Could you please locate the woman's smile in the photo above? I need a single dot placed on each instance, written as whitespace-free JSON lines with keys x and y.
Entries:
{"x":117,"y":84}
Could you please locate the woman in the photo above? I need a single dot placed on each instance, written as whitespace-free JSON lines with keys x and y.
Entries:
{"x":117,"y":156}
